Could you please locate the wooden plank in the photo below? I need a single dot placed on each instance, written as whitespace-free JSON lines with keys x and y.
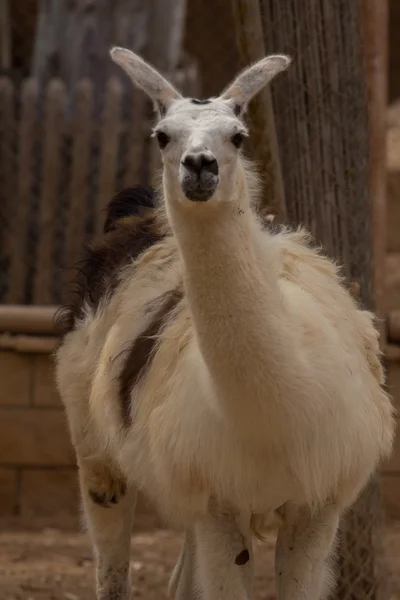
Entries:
{"x":166,"y":30}
{"x":27,"y":319}
{"x":109,"y":146}
{"x":393,"y":177}
{"x":7,"y":128}
{"x":330,"y":141}
{"x":155,"y":173}
{"x":392,"y":263}
{"x":394,"y":326}
{"x":25,"y":175}
{"x":392,"y":465}
{"x":393,"y":384}
{"x":138,"y":132}
{"x":5,"y":36}
{"x":390,"y":486}
{"x":73,"y":39}
{"x":375,"y":24}
{"x":7,"y":166}
{"x":393,"y":209}
{"x":28,"y":343}
{"x":35,"y":438}
{"x":251,"y":48}
{"x":80,"y":171}
{"x":51,"y":173}
{"x":186,"y":78}
{"x":392,"y":352}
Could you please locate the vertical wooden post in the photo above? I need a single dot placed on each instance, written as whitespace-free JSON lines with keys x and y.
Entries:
{"x":166,"y":28}
{"x":49,"y":198}
{"x":80,"y":172}
{"x":108,"y":148}
{"x":27,"y":137}
{"x":5,"y":36}
{"x":362,"y":564}
{"x":375,"y":30}
{"x":251,"y":48}
{"x":137,"y":136}
{"x":7,"y":161}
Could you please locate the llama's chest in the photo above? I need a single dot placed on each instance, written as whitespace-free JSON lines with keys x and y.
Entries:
{"x":202,"y":458}
{"x":258,"y":482}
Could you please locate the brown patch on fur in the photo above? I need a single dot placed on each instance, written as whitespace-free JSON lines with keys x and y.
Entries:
{"x":242,"y":558}
{"x":139,"y":355}
{"x":98,"y":273}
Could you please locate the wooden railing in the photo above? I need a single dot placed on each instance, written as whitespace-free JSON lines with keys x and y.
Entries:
{"x":59,"y":166}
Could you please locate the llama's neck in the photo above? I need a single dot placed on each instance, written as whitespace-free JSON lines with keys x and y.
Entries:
{"x":232,"y":294}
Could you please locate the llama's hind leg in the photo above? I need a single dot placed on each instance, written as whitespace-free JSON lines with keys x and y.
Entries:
{"x":109,"y":507}
{"x":224,"y":557}
{"x":303,"y":553}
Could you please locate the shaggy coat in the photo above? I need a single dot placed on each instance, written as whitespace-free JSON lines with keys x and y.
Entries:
{"x":218,"y":365}
{"x":131,"y":360}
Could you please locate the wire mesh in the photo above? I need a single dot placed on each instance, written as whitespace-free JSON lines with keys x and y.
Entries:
{"x":321,"y":112}
{"x":321,"y":118}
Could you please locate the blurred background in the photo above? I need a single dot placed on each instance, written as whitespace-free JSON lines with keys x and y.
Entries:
{"x":73,"y":131}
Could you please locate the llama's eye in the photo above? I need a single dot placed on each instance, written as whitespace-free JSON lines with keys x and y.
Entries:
{"x":237,"y":139}
{"x":162,"y":139}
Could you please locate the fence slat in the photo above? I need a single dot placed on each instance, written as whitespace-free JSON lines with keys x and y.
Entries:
{"x":26,"y":144}
{"x":251,"y":47}
{"x":80,"y":171}
{"x":109,"y":148}
{"x":154,"y":163}
{"x":16,"y":318}
{"x":7,"y":128}
{"x":49,"y":201}
{"x":137,"y":133}
{"x":7,"y":164}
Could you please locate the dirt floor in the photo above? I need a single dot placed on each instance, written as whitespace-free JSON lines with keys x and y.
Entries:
{"x":38,"y":562}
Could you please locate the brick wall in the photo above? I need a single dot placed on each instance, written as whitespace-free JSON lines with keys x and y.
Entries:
{"x":38,"y":474}
{"x":37,"y":462}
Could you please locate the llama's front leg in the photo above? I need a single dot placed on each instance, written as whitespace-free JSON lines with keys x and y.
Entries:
{"x":303,"y":553}
{"x":182,"y":584}
{"x":109,"y":508}
{"x":224,"y":558}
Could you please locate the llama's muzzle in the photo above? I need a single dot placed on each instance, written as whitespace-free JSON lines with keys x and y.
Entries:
{"x":199,"y":176}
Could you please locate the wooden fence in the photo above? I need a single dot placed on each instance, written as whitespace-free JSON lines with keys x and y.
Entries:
{"x":59,"y":167}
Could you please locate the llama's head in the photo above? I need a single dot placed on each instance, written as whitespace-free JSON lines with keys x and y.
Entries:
{"x":200,"y":140}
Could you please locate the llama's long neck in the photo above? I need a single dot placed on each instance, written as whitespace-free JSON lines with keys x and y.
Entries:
{"x":233,"y":296}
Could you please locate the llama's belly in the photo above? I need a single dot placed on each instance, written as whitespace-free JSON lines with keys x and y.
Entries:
{"x":183,"y":458}
{"x":181,"y":464}
{"x":184,"y":450}
{"x":257,"y":484}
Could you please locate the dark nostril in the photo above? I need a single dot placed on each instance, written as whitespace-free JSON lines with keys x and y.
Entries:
{"x":199,"y":162}
{"x":210,"y":165}
{"x":192,"y":162}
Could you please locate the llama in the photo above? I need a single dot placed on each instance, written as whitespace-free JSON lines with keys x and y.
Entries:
{"x":218,"y":365}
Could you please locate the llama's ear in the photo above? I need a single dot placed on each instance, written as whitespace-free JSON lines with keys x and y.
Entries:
{"x":145,"y":77}
{"x":248,"y":83}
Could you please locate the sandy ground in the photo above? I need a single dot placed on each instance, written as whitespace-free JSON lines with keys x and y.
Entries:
{"x":38,"y":562}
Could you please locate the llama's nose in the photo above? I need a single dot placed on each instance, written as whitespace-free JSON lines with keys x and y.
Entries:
{"x":200,"y":162}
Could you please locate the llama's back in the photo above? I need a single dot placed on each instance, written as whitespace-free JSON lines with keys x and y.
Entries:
{"x":131,"y":227}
